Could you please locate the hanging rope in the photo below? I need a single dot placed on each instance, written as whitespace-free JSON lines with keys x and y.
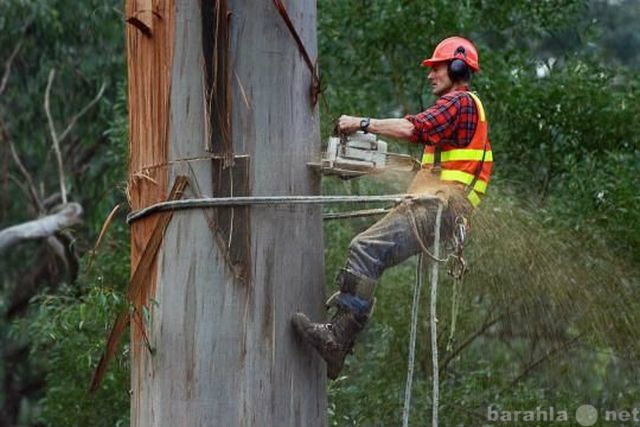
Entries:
{"x":412,"y":343}
{"x":433,"y":320}
{"x":414,"y":320}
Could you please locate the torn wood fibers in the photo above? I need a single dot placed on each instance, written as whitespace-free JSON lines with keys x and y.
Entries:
{"x":149,"y":60}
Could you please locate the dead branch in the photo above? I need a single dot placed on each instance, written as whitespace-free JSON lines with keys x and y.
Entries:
{"x":548,"y":355}
{"x":58,"y":249}
{"x":52,"y":200}
{"x":21,"y":186}
{"x":41,"y":227}
{"x":7,"y":66}
{"x":103,"y":231}
{"x":54,"y":136}
{"x":27,"y":176}
{"x":82,"y":112}
{"x":57,"y":139}
{"x":486,"y":324}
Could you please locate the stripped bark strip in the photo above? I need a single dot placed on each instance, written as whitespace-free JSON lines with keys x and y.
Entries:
{"x":138,"y":288}
{"x":119,"y":326}
{"x":103,"y":231}
{"x":149,"y":62}
{"x":313,"y":68}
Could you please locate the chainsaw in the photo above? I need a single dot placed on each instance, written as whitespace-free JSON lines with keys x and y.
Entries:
{"x":350,"y":156}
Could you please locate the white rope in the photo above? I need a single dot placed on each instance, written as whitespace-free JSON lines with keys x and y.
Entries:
{"x":433,"y":319}
{"x":412,"y":343}
{"x":414,"y":322}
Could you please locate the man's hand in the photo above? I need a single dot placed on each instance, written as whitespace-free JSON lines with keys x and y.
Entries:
{"x":348,"y":124}
{"x":394,"y":128}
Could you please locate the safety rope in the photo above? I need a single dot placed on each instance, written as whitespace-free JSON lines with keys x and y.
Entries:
{"x":433,"y":320}
{"x":412,"y":343}
{"x":209,"y":202}
{"x":458,"y":274}
{"x":434,"y":336}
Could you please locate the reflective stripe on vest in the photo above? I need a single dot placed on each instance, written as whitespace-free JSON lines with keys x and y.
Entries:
{"x":459,"y":154}
{"x":473,"y":198}
{"x":463,"y":177}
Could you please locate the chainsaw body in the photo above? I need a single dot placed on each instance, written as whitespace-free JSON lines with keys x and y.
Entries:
{"x":360,"y":154}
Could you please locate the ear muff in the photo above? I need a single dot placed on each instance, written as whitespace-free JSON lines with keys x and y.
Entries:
{"x":458,"y":69}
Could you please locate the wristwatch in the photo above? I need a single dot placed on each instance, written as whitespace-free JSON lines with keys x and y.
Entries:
{"x":364,"y":124}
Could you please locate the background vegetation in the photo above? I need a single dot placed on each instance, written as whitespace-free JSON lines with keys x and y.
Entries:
{"x":548,"y":312}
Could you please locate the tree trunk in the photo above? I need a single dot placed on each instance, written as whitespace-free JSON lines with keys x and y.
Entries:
{"x":220,"y":93}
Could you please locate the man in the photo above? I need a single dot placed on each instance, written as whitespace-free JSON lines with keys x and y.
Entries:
{"x":456,"y":167}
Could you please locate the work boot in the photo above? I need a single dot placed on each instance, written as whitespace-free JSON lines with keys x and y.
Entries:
{"x":332,"y":340}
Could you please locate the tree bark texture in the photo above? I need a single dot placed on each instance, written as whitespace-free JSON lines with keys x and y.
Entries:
{"x":219,"y":93}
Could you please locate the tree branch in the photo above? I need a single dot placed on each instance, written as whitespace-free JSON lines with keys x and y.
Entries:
{"x":54,"y":136}
{"x":7,"y":66}
{"x":82,"y":112}
{"x":42,"y":227}
{"x":485,"y":325}
{"x":27,"y":176}
{"x":544,"y":358}
{"x":57,"y":139}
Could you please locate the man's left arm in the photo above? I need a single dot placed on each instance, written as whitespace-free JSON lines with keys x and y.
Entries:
{"x":393,"y":128}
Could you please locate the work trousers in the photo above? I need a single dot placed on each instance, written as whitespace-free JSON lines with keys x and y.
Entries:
{"x":393,"y":238}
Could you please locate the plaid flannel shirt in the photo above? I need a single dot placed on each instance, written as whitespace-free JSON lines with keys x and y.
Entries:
{"x":452,"y":119}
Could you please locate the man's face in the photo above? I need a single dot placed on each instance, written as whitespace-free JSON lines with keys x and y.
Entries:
{"x":439,"y":79}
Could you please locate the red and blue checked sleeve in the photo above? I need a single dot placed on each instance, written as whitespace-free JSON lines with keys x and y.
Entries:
{"x":452,"y":119}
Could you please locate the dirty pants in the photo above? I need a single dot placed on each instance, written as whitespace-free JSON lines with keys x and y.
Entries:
{"x":393,"y":239}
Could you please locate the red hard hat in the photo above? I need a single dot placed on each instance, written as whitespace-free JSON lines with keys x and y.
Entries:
{"x":454,"y":48}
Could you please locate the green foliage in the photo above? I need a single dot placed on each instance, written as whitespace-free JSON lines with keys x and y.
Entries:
{"x":62,"y":329}
{"x":66,"y":332}
{"x":554,"y":250}
{"x":84,"y":44}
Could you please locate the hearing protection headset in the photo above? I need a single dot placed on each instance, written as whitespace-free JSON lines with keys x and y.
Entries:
{"x":458,"y":69}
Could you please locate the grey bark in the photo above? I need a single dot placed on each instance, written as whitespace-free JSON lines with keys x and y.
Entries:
{"x":42,"y":227}
{"x":225,"y":353}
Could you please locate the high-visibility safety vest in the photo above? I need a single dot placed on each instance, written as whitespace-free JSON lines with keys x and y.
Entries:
{"x":470,"y":165}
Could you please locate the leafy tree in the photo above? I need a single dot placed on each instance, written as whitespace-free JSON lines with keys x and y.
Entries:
{"x":82,"y":43}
